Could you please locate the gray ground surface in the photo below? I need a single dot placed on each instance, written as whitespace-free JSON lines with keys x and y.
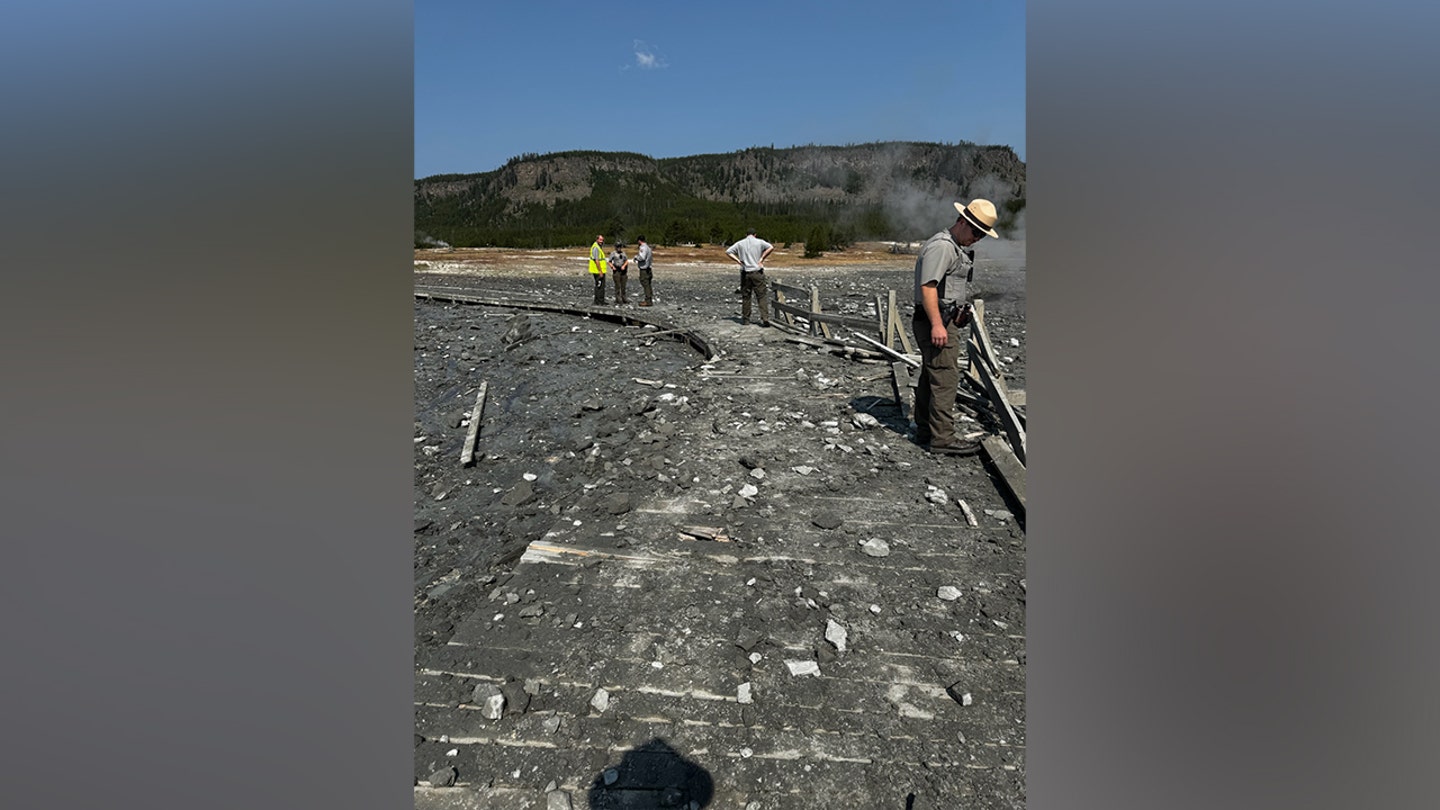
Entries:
{"x":576,"y":557}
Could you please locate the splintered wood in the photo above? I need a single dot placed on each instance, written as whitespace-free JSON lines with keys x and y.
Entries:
{"x":985,"y":371}
{"x":467,"y":452}
{"x":704,"y":533}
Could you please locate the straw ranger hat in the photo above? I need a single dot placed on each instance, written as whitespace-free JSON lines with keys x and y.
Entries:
{"x":981,"y":214}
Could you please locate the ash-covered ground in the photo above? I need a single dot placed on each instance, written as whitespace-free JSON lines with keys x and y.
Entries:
{"x":675,"y":582}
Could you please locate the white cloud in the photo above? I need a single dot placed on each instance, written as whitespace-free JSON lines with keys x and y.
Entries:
{"x":646,"y":57}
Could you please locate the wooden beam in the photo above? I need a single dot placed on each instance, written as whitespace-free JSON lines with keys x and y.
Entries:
{"x":814,"y":311}
{"x":1009,"y":468}
{"x":778,"y":290}
{"x":467,"y":453}
{"x":886,"y":349}
{"x":981,"y":334}
{"x":823,"y":318}
{"x":899,"y":327}
{"x":901,"y":384}
{"x":1014,"y":431}
{"x":694,"y":340}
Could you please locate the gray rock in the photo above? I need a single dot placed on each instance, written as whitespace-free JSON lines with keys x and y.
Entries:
{"x":618,"y":504}
{"x":835,"y":634}
{"x":517,"y":700}
{"x":748,"y":638}
{"x":742,"y":693}
{"x":827,"y":520}
{"x":532,"y":611}
{"x":483,"y":692}
{"x":948,"y":592}
{"x":558,"y":800}
{"x":803,"y":668}
{"x":611,"y":776}
{"x":445,"y":777}
{"x":551,"y":724}
{"x":601,"y":700}
{"x":521,"y":494}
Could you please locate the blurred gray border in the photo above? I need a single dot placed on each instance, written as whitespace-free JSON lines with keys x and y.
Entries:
{"x":206,"y":424}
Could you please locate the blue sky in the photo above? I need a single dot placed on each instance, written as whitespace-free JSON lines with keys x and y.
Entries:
{"x":497,"y":79}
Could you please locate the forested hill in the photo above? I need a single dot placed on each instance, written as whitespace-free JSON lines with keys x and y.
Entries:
{"x":834,"y":194}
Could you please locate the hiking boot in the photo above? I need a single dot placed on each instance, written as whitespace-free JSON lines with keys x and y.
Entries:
{"x":955,"y":449}
{"x":646,"y":304}
{"x":765,"y":324}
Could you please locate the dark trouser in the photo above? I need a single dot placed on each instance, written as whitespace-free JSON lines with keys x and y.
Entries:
{"x":620,"y":278}
{"x":939,"y":379}
{"x":599,"y":287}
{"x":754,"y":284}
{"x":646,"y":275}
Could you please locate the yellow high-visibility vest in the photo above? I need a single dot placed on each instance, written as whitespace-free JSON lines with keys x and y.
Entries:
{"x":597,"y":258}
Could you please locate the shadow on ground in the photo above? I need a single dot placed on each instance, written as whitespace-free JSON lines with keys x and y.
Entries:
{"x":652,"y":775}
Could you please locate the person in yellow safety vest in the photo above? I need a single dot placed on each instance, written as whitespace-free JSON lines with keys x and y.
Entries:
{"x":598,"y":267}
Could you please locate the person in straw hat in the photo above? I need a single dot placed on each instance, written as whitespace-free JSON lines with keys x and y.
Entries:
{"x":944,"y":266}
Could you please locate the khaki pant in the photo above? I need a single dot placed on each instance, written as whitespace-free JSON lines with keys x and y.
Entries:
{"x":754,"y":284}
{"x":620,"y":278}
{"x":646,"y":275}
{"x":939,"y":379}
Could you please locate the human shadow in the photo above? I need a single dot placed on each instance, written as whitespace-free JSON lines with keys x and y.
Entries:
{"x":652,"y":774}
{"x":890,"y":414}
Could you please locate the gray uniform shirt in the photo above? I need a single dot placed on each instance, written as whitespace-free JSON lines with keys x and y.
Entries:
{"x":642,"y":258}
{"x":942,"y":260}
{"x":617,"y":261}
{"x":748,"y":251}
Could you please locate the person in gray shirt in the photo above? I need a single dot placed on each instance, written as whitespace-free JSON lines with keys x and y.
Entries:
{"x":642,"y":262}
{"x":620,"y":269}
{"x":750,"y":254}
{"x":941,"y":272}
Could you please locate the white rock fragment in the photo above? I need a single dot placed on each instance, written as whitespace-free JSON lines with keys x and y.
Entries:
{"x":1014,"y":341}
{"x":749,"y":491}
{"x":835,"y":634}
{"x":453,"y":752}
{"x":937,"y":496}
{"x":966,"y":699}
{"x":864,"y":421}
{"x":803,"y":470}
{"x":803,"y":668}
{"x":601,"y":701}
{"x":530,"y":476}
{"x":758,"y":474}
{"x":742,"y":693}
{"x":875,"y":547}
{"x":969,"y":515}
{"x":746,"y":753}
{"x":875,"y":609}
{"x":755,"y":658}
{"x":948,"y":592}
